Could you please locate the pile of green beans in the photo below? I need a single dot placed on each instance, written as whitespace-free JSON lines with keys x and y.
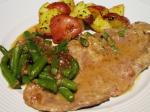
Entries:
{"x":27,"y":63}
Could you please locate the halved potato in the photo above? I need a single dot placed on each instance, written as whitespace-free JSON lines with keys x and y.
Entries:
{"x":119,"y":9}
{"x":116,"y":21}
{"x":70,"y":3}
{"x":61,"y":6}
{"x":99,"y":24}
{"x":80,"y":11}
{"x":98,"y":10}
{"x":45,"y":19}
{"x":89,"y":20}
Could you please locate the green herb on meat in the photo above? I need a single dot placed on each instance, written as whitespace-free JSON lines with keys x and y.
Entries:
{"x":110,"y":41}
{"x":122,"y":32}
{"x":84,"y":42}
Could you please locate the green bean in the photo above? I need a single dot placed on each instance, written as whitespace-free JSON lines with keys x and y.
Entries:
{"x":105,"y":35}
{"x":7,"y":73}
{"x":23,"y":60}
{"x":122,"y":32}
{"x":28,"y":35}
{"x":74,"y":69}
{"x":37,"y":67}
{"x":45,"y":75}
{"x":32,"y":47}
{"x":3,"y":50}
{"x":48,"y":84}
{"x":29,"y":68}
{"x":54,"y":71}
{"x":84,"y":42}
{"x":110,"y":41}
{"x":62,"y":47}
{"x":25,"y":49}
{"x":71,"y":72}
{"x":47,"y":69}
{"x":54,"y":65}
{"x":16,"y":53}
{"x":34,"y":50}
{"x":25,"y":79}
{"x":66,"y":93}
{"x":66,"y":72}
{"x":69,"y":84}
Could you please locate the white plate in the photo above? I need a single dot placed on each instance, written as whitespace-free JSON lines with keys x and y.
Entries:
{"x":18,"y":15}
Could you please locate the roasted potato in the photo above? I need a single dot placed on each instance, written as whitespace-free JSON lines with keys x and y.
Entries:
{"x":89,"y":20}
{"x":61,"y":6}
{"x":95,"y":11}
{"x":99,"y":24}
{"x":119,"y":9}
{"x":116,"y":21}
{"x":80,"y":11}
{"x":98,"y":10}
{"x":64,"y":27}
{"x":45,"y":19}
{"x":70,"y":3}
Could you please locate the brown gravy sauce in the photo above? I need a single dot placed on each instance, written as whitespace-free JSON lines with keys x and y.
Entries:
{"x":20,"y":38}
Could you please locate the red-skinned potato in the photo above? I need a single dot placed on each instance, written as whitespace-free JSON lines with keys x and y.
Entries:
{"x":64,"y":27}
{"x":98,"y":9}
{"x":89,"y":20}
{"x":99,"y":24}
{"x":116,"y":21}
{"x":64,"y":8}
